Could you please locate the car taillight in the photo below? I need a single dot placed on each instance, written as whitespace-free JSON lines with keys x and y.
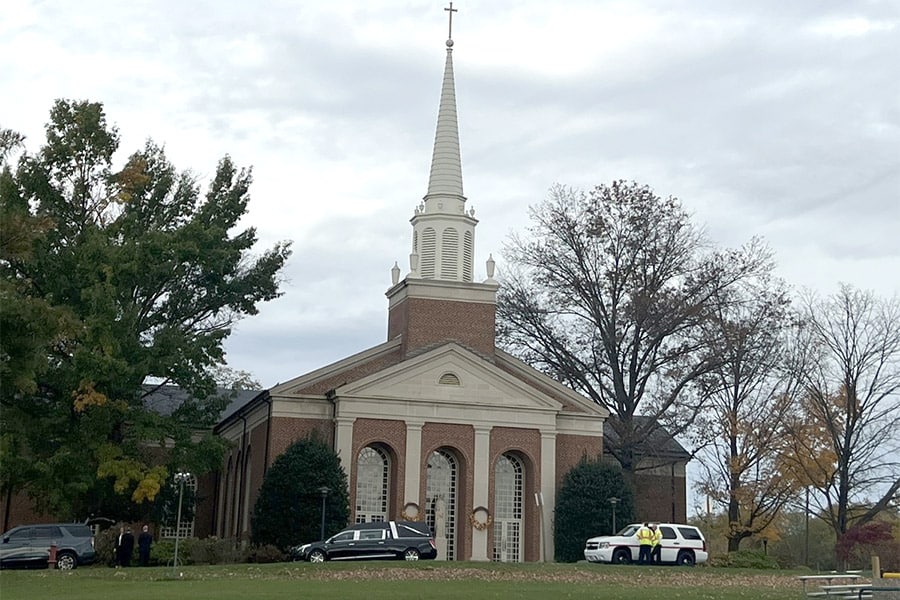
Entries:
{"x":431,"y":541}
{"x":704,"y":545}
{"x":92,"y":543}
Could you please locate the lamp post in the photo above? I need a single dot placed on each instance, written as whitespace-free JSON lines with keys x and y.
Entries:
{"x":181,"y":477}
{"x":324,"y":491}
{"x":614,"y":501}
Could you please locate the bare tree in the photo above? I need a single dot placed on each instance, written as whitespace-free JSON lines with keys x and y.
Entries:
{"x":606,"y":295}
{"x":750,"y":396}
{"x":851,"y":375}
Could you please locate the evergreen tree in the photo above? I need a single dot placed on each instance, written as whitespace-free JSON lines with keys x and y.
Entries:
{"x":583,"y":509}
{"x":288,"y":510}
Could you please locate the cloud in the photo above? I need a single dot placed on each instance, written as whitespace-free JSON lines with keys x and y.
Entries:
{"x":766,"y":119}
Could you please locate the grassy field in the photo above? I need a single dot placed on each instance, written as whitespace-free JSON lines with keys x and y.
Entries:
{"x":400,"y":581}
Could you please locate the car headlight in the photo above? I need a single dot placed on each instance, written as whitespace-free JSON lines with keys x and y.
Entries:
{"x":602,"y":545}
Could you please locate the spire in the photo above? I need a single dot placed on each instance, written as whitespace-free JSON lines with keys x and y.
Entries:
{"x":443,"y":230}
{"x":446,"y":165}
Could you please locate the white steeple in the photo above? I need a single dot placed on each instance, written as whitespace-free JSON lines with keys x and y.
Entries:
{"x":443,"y":231}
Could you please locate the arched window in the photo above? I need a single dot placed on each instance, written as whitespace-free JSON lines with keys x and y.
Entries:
{"x":244,"y":524}
{"x":449,"y":379}
{"x":225,"y":500}
{"x":441,"y":491}
{"x":508,"y":486}
{"x":373,"y":469}
{"x":236,"y":496}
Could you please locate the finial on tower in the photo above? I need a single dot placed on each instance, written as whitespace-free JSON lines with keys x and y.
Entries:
{"x":450,"y":10}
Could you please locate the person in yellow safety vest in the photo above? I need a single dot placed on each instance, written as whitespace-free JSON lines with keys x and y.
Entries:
{"x":656,"y":550}
{"x":645,"y":539}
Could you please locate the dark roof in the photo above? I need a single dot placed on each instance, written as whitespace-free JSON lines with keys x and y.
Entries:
{"x":659,"y":443}
{"x":166,"y":399}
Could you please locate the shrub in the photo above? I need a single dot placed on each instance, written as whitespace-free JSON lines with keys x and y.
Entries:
{"x":745,"y":559}
{"x":264,"y":554}
{"x":163,"y":551}
{"x":583,"y":509}
{"x":288,"y":510}
{"x":196,"y":551}
{"x":105,"y":546}
{"x":214,"y":551}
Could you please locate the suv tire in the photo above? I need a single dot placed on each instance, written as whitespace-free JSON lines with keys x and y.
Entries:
{"x":317,"y":556}
{"x":622,"y":556}
{"x":66,"y":561}
{"x":686,"y":559}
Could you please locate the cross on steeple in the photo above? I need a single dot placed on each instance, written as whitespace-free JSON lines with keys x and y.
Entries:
{"x":450,"y":10}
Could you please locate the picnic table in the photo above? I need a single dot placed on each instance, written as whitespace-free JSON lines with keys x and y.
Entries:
{"x":847,"y":590}
{"x":828,"y":578}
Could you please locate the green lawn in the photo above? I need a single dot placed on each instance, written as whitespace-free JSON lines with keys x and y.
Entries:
{"x":401,"y":581}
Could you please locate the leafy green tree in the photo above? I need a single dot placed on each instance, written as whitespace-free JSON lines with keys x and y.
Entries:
{"x":583,"y":509}
{"x":29,"y":327}
{"x":124,"y":278}
{"x":288,"y":510}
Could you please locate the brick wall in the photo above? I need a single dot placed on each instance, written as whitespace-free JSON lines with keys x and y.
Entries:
{"x":22,"y":512}
{"x":570,"y":449}
{"x":287,"y":430}
{"x":423,"y":322}
{"x":660,"y":498}
{"x":355,"y":373}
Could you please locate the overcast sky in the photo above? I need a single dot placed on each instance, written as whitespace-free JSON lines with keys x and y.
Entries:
{"x":773,"y":119}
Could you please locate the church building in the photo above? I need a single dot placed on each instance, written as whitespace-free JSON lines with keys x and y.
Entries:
{"x":436,"y":423}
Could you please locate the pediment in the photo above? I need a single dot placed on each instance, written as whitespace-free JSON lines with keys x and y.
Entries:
{"x":450,"y":374}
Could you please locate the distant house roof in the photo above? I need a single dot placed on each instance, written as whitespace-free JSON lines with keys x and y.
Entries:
{"x":166,"y":399}
{"x":659,"y":443}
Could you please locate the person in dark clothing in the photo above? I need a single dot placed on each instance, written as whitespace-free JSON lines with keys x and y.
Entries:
{"x":124,"y":547}
{"x":145,"y":540}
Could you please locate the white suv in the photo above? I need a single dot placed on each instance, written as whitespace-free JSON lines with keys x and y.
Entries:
{"x":681,"y":545}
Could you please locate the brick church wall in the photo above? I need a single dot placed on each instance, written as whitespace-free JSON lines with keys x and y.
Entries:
{"x":22,"y":512}
{"x":660,"y":498}
{"x":354,"y":373}
{"x":424,"y":322}
{"x":570,"y":449}
{"x":287,"y":430}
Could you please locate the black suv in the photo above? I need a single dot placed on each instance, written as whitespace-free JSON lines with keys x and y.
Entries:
{"x":369,"y":541}
{"x":29,"y":545}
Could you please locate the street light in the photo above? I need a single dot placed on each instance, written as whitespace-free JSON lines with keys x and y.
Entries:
{"x":181,"y":477}
{"x":324,"y":491}
{"x":614,"y":501}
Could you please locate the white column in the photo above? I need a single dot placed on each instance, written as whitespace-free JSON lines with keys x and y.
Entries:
{"x":548,"y":491}
{"x":412,"y":477}
{"x":481,"y":472}
{"x":343,"y":442}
